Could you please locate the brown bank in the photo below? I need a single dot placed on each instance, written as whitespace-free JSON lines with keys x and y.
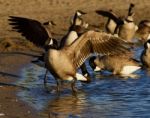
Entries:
{"x":10,"y":105}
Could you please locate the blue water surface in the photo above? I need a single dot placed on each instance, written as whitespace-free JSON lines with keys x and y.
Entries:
{"x":105,"y":97}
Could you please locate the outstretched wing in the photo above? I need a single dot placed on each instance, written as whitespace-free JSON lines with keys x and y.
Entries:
{"x":31,"y":29}
{"x":110,"y":15}
{"x":95,"y":42}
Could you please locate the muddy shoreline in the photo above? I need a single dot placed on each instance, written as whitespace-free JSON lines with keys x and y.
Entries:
{"x":10,"y":69}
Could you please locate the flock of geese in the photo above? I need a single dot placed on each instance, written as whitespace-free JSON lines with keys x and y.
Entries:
{"x":111,"y":49}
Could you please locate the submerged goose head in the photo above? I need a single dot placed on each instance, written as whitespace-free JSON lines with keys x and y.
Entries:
{"x":145,"y":56}
{"x":92,"y":63}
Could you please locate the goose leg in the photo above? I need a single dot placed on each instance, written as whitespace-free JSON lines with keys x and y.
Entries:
{"x":85,"y":73}
{"x":58,"y":86}
{"x":84,"y":70}
{"x":45,"y":77}
{"x":74,"y":90}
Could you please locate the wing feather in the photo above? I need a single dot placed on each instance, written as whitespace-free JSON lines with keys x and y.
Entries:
{"x":31,"y":29}
{"x":95,"y":42}
{"x":110,"y":15}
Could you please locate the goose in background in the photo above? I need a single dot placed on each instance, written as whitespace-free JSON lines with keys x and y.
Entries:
{"x":144,"y":30}
{"x":113,"y":21}
{"x":128,"y":29}
{"x":122,"y":64}
{"x":78,"y":26}
{"x":63,"y":62}
{"x":111,"y":25}
{"x":125,"y":28}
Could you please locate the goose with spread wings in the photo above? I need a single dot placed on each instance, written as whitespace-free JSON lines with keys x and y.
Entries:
{"x":31,"y":26}
{"x":64,"y":62}
{"x":125,"y":28}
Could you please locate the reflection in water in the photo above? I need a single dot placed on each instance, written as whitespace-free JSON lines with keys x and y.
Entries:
{"x":106,"y":96}
{"x":66,"y":106}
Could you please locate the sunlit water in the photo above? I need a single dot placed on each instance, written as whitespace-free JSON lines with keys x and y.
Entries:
{"x":105,"y":97}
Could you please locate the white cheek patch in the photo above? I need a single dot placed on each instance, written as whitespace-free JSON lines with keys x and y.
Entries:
{"x":97,"y":68}
{"x":129,"y":69}
{"x":51,"y":42}
{"x":79,"y":14}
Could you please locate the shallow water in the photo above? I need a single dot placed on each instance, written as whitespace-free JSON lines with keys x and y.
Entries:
{"x":105,"y":97}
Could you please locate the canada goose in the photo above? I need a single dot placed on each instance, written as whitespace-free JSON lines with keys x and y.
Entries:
{"x":144,"y":30}
{"x":74,"y":19}
{"x":145,"y":56}
{"x":63,"y":62}
{"x":128,"y":29}
{"x":76,"y":28}
{"x":113,"y":21}
{"x":125,"y":28}
{"x":111,"y":25}
{"x":117,"y":64}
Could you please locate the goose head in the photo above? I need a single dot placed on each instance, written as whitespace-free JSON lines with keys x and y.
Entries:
{"x":51,"y":43}
{"x":144,"y":30}
{"x":93,"y":64}
{"x":79,"y":13}
{"x":77,"y":20}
